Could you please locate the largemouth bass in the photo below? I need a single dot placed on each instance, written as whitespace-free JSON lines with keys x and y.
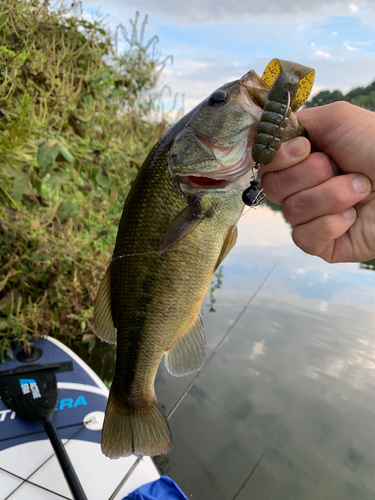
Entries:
{"x":178,"y":224}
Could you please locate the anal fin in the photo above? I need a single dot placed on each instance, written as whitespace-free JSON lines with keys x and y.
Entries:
{"x":187,"y":354}
{"x":103,"y":322}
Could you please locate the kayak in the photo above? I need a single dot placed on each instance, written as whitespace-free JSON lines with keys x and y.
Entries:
{"x":29,"y":467}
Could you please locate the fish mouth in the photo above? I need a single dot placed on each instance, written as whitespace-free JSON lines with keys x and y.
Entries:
{"x":226,"y":174}
{"x":201,"y":182}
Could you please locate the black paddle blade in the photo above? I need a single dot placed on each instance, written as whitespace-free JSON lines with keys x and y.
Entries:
{"x":32,"y":394}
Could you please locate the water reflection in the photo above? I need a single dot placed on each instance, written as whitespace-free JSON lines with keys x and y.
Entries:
{"x":293,"y":381}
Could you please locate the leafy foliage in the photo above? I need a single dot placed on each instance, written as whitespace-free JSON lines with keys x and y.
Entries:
{"x":74,"y":129}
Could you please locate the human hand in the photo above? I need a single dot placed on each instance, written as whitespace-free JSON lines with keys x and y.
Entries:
{"x":329,"y":194}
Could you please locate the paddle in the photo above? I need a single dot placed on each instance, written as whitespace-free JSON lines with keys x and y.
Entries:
{"x":31,"y":391}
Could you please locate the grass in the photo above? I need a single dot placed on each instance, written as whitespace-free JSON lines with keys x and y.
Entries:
{"x":74,"y":128}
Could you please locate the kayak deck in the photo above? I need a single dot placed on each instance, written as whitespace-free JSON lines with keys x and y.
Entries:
{"x":28,"y":466}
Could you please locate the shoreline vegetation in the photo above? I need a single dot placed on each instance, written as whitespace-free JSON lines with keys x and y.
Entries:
{"x":75,"y":127}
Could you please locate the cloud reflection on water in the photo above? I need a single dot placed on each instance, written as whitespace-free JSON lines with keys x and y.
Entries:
{"x":294,"y":380}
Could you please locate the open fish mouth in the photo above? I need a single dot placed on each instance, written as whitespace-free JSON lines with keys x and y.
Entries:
{"x":227,"y":173}
{"x":201,"y":182}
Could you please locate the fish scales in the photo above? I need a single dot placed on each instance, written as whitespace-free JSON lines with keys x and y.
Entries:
{"x":165,"y":290}
{"x":178,"y":224}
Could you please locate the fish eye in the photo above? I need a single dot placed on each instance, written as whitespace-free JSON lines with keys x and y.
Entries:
{"x":217,"y":98}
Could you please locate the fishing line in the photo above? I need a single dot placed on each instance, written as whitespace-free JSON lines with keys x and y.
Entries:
{"x":249,"y":476}
{"x":132,"y":255}
{"x":157,"y":251}
{"x":210,"y":358}
{"x":247,"y":211}
{"x":142,"y":253}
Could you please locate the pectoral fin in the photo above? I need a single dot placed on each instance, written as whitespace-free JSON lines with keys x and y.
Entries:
{"x":182,"y":225}
{"x":187,"y":354}
{"x":103,"y":322}
{"x":228,"y":244}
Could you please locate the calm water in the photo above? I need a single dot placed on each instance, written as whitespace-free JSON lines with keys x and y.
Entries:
{"x":285,"y":405}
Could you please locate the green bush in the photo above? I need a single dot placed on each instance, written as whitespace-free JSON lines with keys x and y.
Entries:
{"x":74,"y":129}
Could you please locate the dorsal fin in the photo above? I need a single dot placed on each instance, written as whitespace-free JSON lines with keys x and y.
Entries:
{"x":187,"y":354}
{"x":103,"y":322}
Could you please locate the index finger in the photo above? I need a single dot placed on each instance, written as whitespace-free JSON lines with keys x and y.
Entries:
{"x":289,"y":154}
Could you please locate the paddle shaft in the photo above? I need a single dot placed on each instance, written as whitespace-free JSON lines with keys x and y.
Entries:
{"x":63,"y":458}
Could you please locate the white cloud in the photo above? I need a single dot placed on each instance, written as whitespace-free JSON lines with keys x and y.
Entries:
{"x":216,"y":11}
{"x":320,"y":53}
{"x":351,"y":49}
{"x":201,"y":65}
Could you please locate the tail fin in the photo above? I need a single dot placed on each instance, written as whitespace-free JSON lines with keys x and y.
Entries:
{"x":143,"y":430}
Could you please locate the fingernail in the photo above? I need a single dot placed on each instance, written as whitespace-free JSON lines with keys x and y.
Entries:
{"x":350,"y":213}
{"x":297,"y":147}
{"x":361,"y":184}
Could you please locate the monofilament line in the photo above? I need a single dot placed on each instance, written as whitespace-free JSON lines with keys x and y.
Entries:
{"x":133,"y":255}
{"x":123,"y":481}
{"x":141,"y":253}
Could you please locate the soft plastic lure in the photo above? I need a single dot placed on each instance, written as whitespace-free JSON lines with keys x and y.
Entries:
{"x":291,"y":84}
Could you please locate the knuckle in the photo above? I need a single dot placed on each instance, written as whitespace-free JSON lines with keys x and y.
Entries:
{"x":293,"y":208}
{"x":342,"y":192}
{"x":334,"y":196}
{"x":304,"y":236}
{"x":323,"y":167}
{"x":272,"y":187}
{"x":340,"y":106}
{"x":301,"y":239}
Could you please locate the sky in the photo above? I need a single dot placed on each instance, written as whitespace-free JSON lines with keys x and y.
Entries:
{"x":216,"y":41}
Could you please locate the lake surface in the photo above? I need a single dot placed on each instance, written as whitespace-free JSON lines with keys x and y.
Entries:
{"x":284,"y":407}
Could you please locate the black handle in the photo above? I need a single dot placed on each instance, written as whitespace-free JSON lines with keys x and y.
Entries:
{"x":65,"y":463}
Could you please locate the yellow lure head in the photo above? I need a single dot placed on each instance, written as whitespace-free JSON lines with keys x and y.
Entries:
{"x":303,"y":75}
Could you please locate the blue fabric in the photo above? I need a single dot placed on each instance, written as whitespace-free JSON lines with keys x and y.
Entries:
{"x":162,"y":489}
